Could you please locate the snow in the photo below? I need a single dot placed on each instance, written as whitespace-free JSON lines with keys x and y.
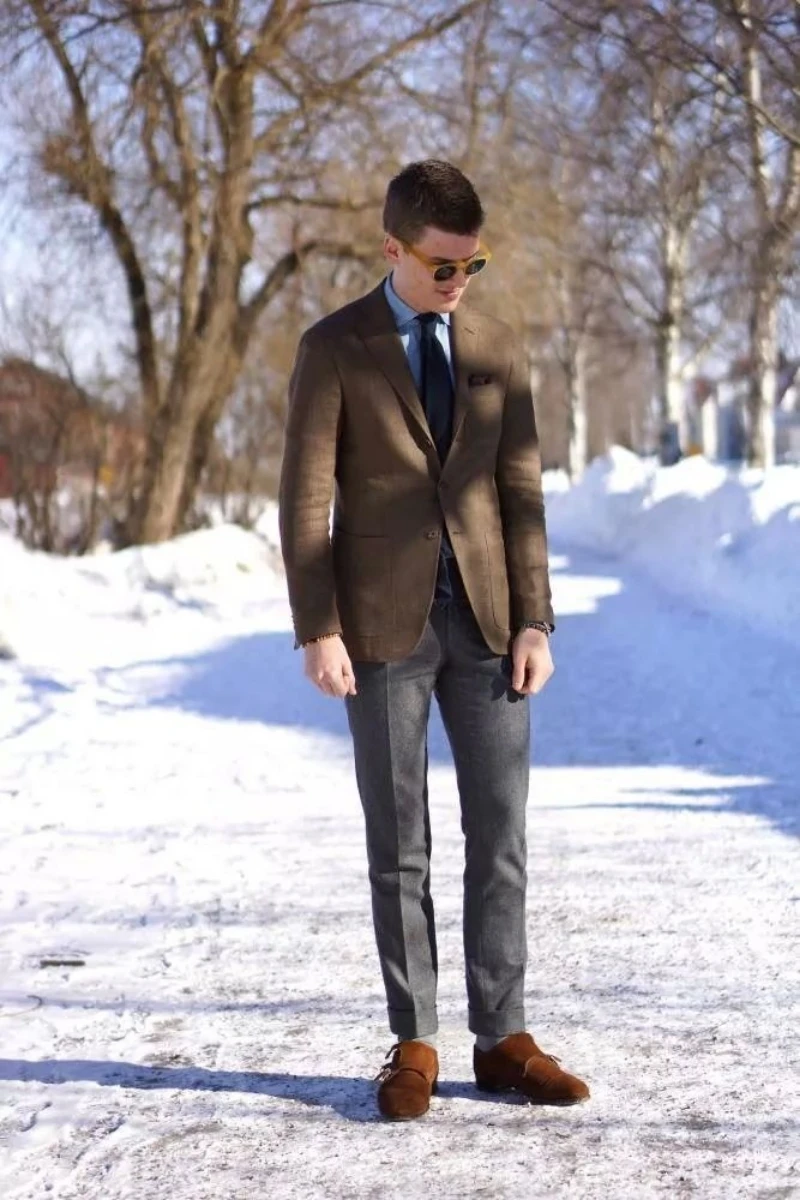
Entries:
{"x":721,"y":536}
{"x":217,"y":572}
{"x":178,"y":811}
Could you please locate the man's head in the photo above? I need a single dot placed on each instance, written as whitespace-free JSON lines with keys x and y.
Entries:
{"x":432,"y":218}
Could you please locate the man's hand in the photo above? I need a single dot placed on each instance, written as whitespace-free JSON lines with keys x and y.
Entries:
{"x":531,"y":660}
{"x":328,"y":667}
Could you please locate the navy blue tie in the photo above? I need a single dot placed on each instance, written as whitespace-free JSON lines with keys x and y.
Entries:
{"x":437,"y":385}
{"x":436,"y":394}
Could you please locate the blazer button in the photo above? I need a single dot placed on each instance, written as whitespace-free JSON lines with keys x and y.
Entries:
{"x":432,"y":533}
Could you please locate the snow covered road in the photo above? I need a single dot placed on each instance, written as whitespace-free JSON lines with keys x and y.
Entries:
{"x":178,"y":812}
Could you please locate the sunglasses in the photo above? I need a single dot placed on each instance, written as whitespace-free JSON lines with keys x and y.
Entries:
{"x":442,"y":271}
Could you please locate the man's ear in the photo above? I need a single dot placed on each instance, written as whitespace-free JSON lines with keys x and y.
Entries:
{"x":391,"y":249}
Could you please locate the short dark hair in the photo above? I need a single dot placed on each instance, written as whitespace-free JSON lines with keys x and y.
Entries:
{"x":432,"y":192}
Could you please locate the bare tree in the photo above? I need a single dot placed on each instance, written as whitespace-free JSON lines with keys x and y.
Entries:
{"x":541,"y":141}
{"x":746,"y":55}
{"x":196,"y":134}
{"x":658,"y":133}
{"x":764,"y":76}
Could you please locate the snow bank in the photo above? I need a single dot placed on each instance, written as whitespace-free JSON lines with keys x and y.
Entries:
{"x":726,"y":537}
{"x":205,"y":563}
{"x":220,"y":569}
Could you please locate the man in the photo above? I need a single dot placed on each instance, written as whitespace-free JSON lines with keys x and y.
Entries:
{"x":433,"y":581}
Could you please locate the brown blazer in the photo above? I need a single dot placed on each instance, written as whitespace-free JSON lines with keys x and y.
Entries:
{"x":355,"y":421}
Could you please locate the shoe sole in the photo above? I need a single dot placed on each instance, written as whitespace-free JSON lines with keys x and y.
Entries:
{"x":495,"y":1088}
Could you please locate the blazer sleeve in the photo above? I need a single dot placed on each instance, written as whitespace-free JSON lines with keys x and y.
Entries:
{"x":306,"y":489}
{"x":519,"y":486}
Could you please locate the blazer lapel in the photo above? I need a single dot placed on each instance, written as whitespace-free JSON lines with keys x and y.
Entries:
{"x":464,"y":343}
{"x":377,"y":329}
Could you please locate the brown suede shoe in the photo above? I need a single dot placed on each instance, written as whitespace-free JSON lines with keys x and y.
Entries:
{"x":408,"y":1080}
{"x":517,"y":1062}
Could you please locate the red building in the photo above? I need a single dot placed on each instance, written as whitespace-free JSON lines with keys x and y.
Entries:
{"x":52,"y":432}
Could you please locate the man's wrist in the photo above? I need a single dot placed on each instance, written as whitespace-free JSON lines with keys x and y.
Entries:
{"x":319,"y":638}
{"x":544,"y":626}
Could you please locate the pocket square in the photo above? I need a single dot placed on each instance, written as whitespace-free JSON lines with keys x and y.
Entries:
{"x":478,"y":380}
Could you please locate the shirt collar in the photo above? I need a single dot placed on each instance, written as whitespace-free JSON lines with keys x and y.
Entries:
{"x":403,"y":313}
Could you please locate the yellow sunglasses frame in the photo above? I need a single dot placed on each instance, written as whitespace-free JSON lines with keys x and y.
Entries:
{"x":460,"y":264}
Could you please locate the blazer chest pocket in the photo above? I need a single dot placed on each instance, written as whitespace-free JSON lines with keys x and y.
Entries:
{"x":362,"y":567}
{"x":486,"y":396}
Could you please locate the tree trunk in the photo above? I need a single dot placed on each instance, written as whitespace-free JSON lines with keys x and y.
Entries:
{"x":578,"y":412}
{"x":203,"y":438}
{"x":777,"y":202}
{"x":763,"y":379}
{"x":156,"y":519}
{"x":673,"y":417}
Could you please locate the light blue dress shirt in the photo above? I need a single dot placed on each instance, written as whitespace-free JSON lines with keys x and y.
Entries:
{"x":410,"y":332}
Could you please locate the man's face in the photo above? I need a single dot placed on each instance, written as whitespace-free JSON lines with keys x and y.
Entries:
{"x":413,"y":280}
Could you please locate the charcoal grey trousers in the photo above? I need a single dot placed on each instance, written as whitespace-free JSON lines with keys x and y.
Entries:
{"x":488,"y":727}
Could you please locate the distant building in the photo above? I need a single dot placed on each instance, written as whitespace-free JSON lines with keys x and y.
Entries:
{"x":53,"y":434}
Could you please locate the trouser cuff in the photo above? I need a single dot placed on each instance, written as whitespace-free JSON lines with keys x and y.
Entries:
{"x":497,"y":1024}
{"x":407,"y":1023}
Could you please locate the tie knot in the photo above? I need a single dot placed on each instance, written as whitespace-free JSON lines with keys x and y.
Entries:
{"x":428,"y":320}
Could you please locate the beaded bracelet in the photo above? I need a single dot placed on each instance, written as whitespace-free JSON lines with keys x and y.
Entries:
{"x":321,"y":638}
{"x":543,"y":626}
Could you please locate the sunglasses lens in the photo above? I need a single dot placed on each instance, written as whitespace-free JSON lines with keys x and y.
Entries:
{"x":475,"y":266}
{"x":447,"y":271}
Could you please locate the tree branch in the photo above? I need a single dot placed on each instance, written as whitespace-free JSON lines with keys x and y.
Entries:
{"x":91,"y":179}
{"x":276,"y":26}
{"x":317,"y":91}
{"x":225,"y":31}
{"x":187,"y":193}
{"x":283,"y":269}
{"x":328,"y":202}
